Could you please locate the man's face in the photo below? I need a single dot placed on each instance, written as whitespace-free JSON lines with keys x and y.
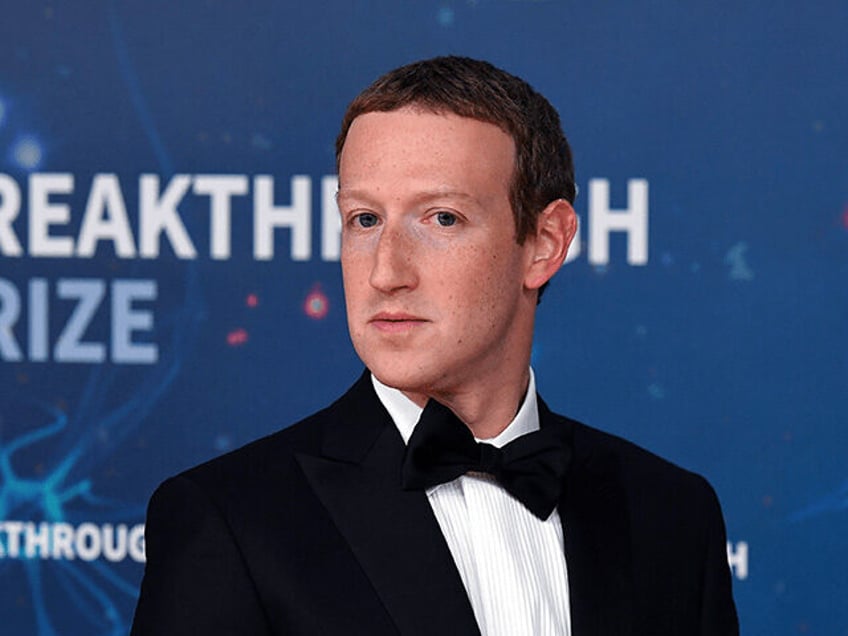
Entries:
{"x":433,"y":276}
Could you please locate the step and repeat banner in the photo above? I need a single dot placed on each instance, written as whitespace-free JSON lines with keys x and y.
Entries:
{"x":170,"y":286}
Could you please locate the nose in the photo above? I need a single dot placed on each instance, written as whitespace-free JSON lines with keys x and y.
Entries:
{"x":394,"y":265}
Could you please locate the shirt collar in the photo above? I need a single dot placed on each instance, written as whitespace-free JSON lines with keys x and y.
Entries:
{"x":405,"y":413}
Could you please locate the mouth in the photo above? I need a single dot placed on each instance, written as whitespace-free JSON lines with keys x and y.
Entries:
{"x":396,"y":322}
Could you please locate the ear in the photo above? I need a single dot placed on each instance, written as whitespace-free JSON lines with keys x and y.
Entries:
{"x":555,"y":228}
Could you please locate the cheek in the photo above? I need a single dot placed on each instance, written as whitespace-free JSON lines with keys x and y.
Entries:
{"x":474,"y":289}
{"x":498,"y":288}
{"x":356,"y":240}
{"x":355,"y":300}
{"x":355,"y":259}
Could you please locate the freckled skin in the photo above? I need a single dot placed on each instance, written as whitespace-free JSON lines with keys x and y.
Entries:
{"x":436,"y":286}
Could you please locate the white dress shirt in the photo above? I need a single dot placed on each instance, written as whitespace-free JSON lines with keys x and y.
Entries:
{"x":511,"y":563}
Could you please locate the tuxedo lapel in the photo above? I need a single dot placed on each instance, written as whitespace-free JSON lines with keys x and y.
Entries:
{"x":597,"y":537}
{"x":392,"y":533}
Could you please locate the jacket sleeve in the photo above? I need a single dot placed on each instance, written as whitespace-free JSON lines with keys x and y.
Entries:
{"x":195,"y":579}
{"x":718,"y":611}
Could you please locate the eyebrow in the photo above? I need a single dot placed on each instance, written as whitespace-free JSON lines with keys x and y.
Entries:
{"x":421,"y":197}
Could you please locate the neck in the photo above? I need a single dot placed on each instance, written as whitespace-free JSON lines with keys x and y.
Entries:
{"x":486,"y":411}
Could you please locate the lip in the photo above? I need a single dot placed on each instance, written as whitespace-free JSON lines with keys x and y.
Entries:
{"x":396,"y":322}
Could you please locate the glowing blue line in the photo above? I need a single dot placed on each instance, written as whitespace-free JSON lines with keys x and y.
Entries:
{"x":129,"y":589}
{"x":89,"y":585}
{"x":82,"y":603}
{"x":42,"y":618}
{"x":136,"y":96}
{"x":836,"y":501}
{"x":28,"y":439}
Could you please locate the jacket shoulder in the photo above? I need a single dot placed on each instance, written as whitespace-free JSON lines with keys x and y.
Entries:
{"x":644,"y":474}
{"x":302,"y":436}
{"x":274,"y":457}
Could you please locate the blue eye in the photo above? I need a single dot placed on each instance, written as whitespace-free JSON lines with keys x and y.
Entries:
{"x":446,"y":219}
{"x":366,"y":219}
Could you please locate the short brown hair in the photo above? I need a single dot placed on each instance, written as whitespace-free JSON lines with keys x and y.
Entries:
{"x":544,"y":170}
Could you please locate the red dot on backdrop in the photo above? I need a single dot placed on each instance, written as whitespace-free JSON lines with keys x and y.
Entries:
{"x":316,"y":305}
{"x":237,"y":337}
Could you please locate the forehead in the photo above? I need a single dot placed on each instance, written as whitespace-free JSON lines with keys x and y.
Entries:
{"x":415,"y":145}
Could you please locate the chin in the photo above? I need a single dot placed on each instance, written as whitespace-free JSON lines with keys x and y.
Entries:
{"x":409,"y":378}
{"x":396,"y":379}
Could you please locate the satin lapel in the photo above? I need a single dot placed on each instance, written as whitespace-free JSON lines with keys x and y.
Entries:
{"x":596,"y":529}
{"x":393,"y":533}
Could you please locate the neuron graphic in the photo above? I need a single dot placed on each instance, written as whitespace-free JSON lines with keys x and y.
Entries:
{"x":57,"y":496}
{"x":62,"y":487}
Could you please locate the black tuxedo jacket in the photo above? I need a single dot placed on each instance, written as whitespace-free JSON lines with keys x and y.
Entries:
{"x":309,"y":532}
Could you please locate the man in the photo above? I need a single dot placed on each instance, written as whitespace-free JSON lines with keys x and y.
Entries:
{"x":381,"y":514}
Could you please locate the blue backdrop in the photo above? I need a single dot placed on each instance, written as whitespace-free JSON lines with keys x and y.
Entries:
{"x":169,"y":285}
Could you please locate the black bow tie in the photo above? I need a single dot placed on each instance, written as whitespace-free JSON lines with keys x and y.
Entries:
{"x":531,"y":468}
